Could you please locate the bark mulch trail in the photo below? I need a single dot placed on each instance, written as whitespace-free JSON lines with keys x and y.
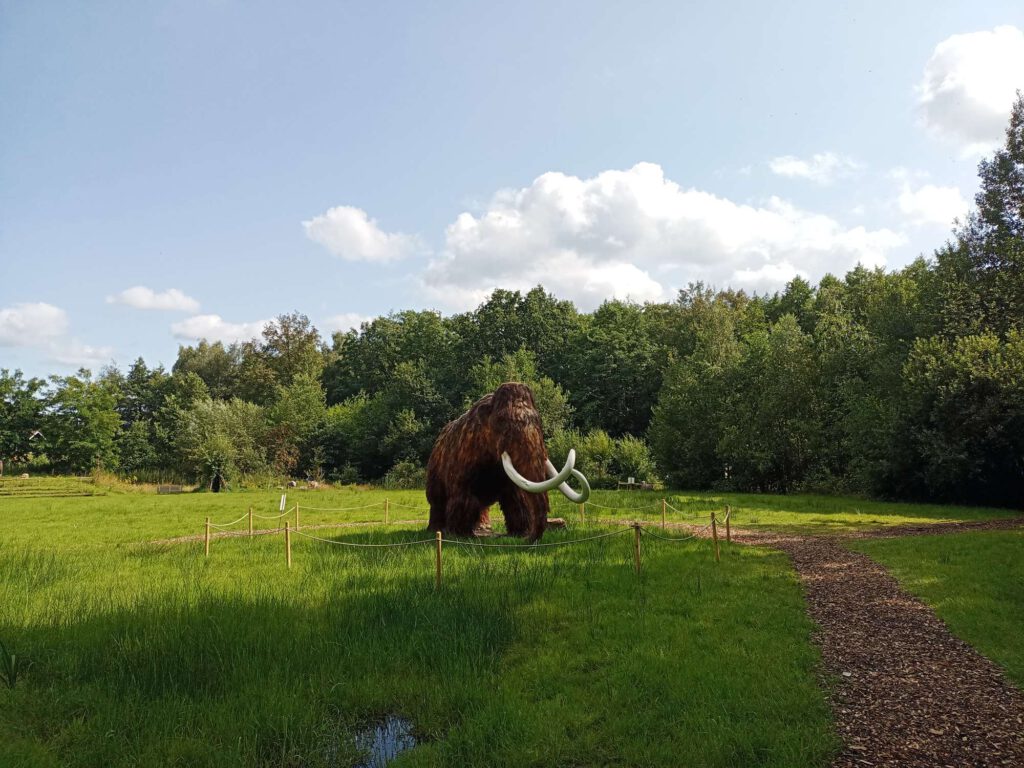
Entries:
{"x":904,"y":690}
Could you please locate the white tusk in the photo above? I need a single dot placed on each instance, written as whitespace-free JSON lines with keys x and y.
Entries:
{"x":544,"y":485}
{"x":569,"y":493}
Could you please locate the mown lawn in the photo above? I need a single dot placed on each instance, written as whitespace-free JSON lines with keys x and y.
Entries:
{"x":798,"y":513}
{"x":973,"y":581}
{"x":151,"y":655}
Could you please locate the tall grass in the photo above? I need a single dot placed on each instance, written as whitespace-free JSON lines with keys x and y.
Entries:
{"x":151,"y":654}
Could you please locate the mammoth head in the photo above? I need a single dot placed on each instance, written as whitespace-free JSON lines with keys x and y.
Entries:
{"x":516,"y":402}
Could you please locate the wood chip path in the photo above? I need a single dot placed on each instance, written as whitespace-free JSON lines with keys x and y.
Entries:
{"x":904,"y":691}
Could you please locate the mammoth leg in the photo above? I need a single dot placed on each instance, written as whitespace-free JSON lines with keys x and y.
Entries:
{"x":438,"y":501}
{"x":437,"y":516}
{"x":522,"y":510}
{"x":464,"y":515}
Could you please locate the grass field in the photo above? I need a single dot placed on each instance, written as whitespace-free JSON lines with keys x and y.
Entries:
{"x":148,"y":654}
{"x":974,"y":582}
{"x":804,"y":513}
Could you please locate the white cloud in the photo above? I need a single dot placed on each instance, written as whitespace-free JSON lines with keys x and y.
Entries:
{"x":969,"y":85}
{"x":821,"y":168}
{"x":344,"y":322}
{"x":627,"y":233}
{"x":349,"y":233}
{"x":73,"y":352}
{"x":31,"y":324}
{"x":45,"y":327}
{"x":215,"y":328}
{"x":141,"y":297}
{"x":931,"y":204}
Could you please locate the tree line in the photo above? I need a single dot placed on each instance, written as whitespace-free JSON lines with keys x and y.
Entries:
{"x":902,"y":384}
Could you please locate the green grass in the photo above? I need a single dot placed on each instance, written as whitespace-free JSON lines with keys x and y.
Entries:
{"x":973,"y":581}
{"x":151,"y":655}
{"x":798,"y":513}
{"x":30,"y":487}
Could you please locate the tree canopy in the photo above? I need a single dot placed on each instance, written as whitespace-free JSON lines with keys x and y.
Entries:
{"x":906,"y":383}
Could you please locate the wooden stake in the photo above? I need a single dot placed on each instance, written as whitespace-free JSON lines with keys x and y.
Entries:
{"x":636,"y":547}
{"x":663,"y":505}
{"x":728,"y":526}
{"x":437,"y":572}
{"x":387,"y":503}
{"x":207,"y":537}
{"x":714,"y":535}
{"x":288,"y":543}
{"x":583,"y":514}
{"x":250,"y":521}
{"x":296,"y":517}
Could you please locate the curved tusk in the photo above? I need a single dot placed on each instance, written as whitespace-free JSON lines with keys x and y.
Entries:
{"x":569,"y":493}
{"x":544,"y":485}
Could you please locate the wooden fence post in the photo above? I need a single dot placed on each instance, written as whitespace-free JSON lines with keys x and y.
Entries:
{"x":288,"y":543}
{"x":207,"y":537}
{"x":583,"y":514}
{"x":714,"y":535}
{"x":296,"y":517}
{"x":663,"y":505}
{"x":437,"y":570}
{"x":636,"y":547}
{"x":728,"y":525}
{"x":250,"y":520}
{"x":387,"y":503}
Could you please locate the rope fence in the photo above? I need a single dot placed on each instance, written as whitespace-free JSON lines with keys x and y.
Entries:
{"x":638,"y":528}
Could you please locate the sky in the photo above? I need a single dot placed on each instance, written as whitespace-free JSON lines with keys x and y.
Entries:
{"x":185,"y":170}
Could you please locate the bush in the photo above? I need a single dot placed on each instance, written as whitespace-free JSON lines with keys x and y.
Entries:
{"x":405,"y":475}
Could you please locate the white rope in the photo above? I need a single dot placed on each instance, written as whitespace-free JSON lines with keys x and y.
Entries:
{"x":275,"y":517}
{"x":649,"y":532}
{"x":536,"y":545}
{"x":344,"y":509}
{"x":623,"y":509}
{"x":681,"y":511}
{"x":227,"y":525}
{"x":354,"y":544}
{"x":406,"y":506}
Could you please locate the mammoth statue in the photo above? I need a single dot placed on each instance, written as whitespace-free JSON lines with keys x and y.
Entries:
{"x":495,"y":452}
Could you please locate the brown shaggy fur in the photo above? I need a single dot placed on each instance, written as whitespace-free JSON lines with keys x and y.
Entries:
{"x":465,"y":476}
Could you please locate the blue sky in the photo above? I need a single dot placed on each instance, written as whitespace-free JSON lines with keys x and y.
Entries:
{"x":176,"y":170}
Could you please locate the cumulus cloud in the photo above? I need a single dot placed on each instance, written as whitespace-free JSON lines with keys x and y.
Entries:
{"x":349,"y":233}
{"x":821,"y":168}
{"x":215,"y":328}
{"x":343,"y":322}
{"x":932,"y":204}
{"x":32,"y":324}
{"x":628,"y":234}
{"x":969,"y":85}
{"x":141,"y":297}
{"x":45,"y":327}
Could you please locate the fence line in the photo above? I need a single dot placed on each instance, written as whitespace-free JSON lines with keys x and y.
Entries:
{"x":233,"y":522}
{"x":673,"y":539}
{"x":537,"y":544}
{"x":357,"y":544}
{"x":637,"y":527}
{"x":346,"y":509}
{"x":274,"y":517}
{"x":663,"y":503}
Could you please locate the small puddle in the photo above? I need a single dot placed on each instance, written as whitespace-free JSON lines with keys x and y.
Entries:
{"x":385,"y":741}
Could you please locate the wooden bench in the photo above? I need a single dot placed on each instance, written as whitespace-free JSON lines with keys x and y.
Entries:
{"x":161,"y":489}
